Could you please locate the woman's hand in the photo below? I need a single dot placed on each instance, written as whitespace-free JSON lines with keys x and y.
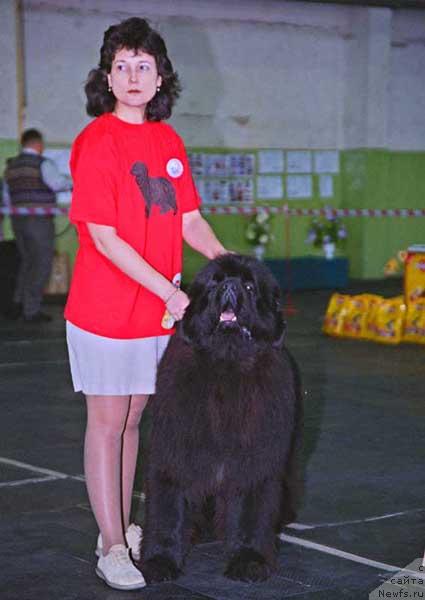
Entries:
{"x":177,"y":304}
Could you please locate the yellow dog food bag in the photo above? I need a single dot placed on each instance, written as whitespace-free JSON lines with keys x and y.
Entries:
{"x":388,"y":320}
{"x":335,"y":314}
{"x":356,"y":318}
{"x":369,"y":328}
{"x":414,"y":275}
{"x":414,"y":328}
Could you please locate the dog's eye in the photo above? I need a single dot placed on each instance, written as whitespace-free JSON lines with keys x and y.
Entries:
{"x":211,"y":287}
{"x":249,"y":286}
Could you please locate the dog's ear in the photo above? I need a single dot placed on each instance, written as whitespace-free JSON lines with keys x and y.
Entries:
{"x":184,"y":331}
{"x":277,"y":303}
{"x":280,"y":329}
{"x":189,"y":329}
{"x":280,"y":334}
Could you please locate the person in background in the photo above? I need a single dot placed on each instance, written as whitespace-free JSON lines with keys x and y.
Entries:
{"x":134,"y":200}
{"x":1,"y":214}
{"x":31,"y":180}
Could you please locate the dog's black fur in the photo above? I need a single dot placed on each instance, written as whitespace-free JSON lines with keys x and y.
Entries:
{"x":225,"y":423}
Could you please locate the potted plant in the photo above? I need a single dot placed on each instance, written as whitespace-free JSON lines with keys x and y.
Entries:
{"x":258,"y":232}
{"x":327,"y":232}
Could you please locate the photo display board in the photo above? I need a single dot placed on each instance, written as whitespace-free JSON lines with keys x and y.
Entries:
{"x":244,"y":177}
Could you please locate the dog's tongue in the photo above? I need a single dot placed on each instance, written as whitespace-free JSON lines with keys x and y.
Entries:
{"x":228,"y":315}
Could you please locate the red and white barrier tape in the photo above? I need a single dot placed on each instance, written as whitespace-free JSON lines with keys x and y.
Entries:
{"x":39,"y":211}
{"x":315,"y":212}
{"x":250,"y":210}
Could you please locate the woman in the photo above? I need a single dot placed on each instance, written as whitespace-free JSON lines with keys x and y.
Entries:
{"x":133,"y":200}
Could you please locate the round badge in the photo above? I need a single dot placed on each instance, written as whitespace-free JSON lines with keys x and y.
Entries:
{"x":174,"y":167}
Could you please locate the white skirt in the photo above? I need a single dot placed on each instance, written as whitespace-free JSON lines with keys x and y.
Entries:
{"x":105,"y":366}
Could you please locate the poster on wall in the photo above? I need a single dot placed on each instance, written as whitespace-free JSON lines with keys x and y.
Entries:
{"x":61,"y":156}
{"x":326,"y":161}
{"x":216,"y":191}
{"x":269,"y":187}
{"x":326,"y":186}
{"x":200,"y":186}
{"x":299,"y":186}
{"x":240,"y":165}
{"x":271,"y":161}
{"x":211,"y":192}
{"x":298,"y":161}
{"x":197,"y":163}
{"x":225,"y":191}
{"x":215,"y":165}
{"x":241,"y":190}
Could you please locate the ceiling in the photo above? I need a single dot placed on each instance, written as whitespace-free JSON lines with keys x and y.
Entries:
{"x":388,"y":3}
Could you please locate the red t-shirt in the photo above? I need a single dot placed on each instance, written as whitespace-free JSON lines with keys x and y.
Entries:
{"x":137,"y":179}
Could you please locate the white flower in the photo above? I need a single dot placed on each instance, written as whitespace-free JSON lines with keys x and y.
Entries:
{"x":263,"y":239}
{"x":262,"y":216}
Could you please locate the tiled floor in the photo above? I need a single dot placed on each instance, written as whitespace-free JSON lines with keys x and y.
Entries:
{"x":363,"y":510}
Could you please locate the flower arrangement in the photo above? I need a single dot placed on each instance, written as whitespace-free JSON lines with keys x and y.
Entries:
{"x":257,"y":232}
{"x":326,"y":230}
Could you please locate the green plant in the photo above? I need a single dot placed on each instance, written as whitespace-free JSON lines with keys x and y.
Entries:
{"x":325,"y":230}
{"x":258,"y":230}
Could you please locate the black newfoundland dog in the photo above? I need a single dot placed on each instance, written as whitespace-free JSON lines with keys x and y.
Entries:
{"x":225,"y":424}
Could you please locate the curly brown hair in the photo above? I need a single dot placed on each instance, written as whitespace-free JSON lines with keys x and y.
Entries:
{"x":134,"y":34}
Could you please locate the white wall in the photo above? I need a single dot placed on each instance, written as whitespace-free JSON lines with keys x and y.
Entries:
{"x":265,"y":78}
{"x":257,"y":84}
{"x":255,"y":72}
{"x":407,"y":81}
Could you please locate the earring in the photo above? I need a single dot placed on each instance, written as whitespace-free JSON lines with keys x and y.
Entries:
{"x":158,"y":88}
{"x":109,"y":89}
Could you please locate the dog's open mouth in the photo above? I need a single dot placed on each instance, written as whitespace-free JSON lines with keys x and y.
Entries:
{"x":228,"y":316}
{"x":229,"y":319}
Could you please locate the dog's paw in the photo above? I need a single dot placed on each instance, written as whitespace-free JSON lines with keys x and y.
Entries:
{"x":159,"y":568}
{"x":247,"y":565}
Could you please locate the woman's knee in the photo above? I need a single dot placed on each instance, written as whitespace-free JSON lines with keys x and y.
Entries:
{"x":135,"y":411}
{"x":106,"y":416}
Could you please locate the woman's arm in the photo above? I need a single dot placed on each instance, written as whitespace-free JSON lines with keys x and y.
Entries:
{"x":123,"y":256}
{"x":199,"y":235}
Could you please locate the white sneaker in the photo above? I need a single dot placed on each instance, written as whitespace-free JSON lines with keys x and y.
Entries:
{"x":117,"y":570}
{"x":133,"y":536}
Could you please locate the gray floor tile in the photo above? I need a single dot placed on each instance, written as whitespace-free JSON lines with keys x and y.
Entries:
{"x":363,"y":457}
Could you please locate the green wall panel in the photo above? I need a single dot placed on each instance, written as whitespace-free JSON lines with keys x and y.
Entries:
{"x":368,"y":178}
{"x":7,"y":148}
{"x":381,"y":179}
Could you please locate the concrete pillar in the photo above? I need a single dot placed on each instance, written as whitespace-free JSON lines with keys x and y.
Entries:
{"x":8,"y":88}
{"x":378,"y":76}
{"x":367,"y":75}
{"x":365,"y":123}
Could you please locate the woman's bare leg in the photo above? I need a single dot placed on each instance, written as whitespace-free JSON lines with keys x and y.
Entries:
{"x":106,"y":420}
{"x":130,"y":452}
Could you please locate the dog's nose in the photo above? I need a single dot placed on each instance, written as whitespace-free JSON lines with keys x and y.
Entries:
{"x":229,"y":291}
{"x":229,"y":286}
